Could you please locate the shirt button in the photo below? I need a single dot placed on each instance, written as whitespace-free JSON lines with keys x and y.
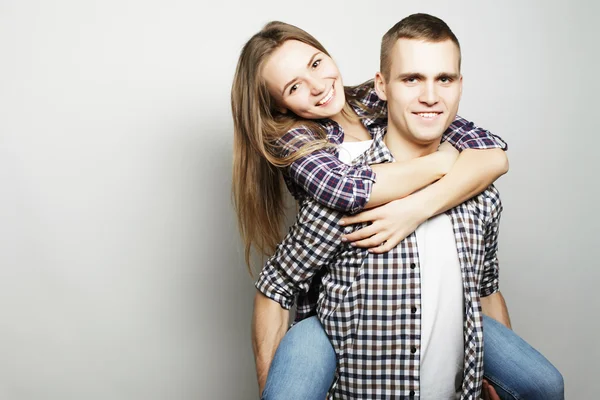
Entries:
{"x":413,"y":350}
{"x":413,"y":310}
{"x":412,"y":265}
{"x":412,"y":393}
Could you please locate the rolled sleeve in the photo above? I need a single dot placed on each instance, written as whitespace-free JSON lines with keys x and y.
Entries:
{"x":332,"y":183}
{"x":490,"y":281}
{"x":324,"y":177}
{"x":464,"y":134}
{"x":311,"y":244}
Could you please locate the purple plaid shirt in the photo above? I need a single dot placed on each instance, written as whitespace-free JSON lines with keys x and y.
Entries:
{"x":322,"y":176}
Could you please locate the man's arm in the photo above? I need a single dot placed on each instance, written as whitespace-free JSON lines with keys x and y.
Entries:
{"x":494,"y":307}
{"x":269,"y":325}
{"x":311,"y":244}
{"x":492,"y":301}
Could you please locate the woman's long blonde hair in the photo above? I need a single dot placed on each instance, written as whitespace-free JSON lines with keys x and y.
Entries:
{"x":257,"y":185}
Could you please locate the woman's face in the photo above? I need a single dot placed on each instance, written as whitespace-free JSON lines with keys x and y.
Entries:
{"x":304,"y":80}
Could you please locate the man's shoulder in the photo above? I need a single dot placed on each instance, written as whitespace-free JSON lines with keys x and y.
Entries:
{"x":491,"y":193}
{"x":488,"y":203}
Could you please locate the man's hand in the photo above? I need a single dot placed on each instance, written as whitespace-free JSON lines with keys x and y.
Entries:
{"x":488,"y":392}
{"x":390,"y":224}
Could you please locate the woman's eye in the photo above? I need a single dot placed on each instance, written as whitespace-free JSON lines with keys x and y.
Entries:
{"x":316,"y":63}
{"x":293,"y":88}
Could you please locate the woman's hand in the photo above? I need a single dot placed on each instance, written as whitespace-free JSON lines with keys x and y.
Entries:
{"x":393,"y":222}
{"x":390,"y":224}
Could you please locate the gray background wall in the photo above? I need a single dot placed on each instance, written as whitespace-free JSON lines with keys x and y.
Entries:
{"x":121,"y":270}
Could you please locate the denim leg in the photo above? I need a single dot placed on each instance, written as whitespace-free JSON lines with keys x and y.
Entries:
{"x":304,"y":364}
{"x":515,"y":369}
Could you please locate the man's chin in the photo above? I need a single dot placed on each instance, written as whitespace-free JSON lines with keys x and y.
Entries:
{"x":426,"y":137}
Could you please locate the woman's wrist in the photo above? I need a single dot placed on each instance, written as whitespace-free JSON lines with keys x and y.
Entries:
{"x":427,"y":203}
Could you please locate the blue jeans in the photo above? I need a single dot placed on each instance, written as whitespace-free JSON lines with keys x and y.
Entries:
{"x":515,"y":369}
{"x":304,"y":365}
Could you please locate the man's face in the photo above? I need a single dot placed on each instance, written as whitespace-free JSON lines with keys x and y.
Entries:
{"x":423,"y":89}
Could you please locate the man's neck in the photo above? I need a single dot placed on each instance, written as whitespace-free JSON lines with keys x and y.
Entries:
{"x":405,"y":149}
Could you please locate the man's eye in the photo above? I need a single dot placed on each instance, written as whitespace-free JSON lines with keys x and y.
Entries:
{"x":410,"y":80}
{"x":445,"y":79}
{"x":293,"y":88}
{"x":316,"y":63}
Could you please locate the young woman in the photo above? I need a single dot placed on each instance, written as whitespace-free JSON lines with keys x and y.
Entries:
{"x":291,"y":111}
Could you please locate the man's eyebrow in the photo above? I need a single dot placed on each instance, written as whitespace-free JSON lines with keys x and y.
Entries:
{"x":407,"y":75}
{"x":307,"y":65}
{"x":418,"y":75}
{"x":450,"y":75}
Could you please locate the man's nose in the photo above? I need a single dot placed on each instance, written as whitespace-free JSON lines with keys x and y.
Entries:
{"x":429,"y":94}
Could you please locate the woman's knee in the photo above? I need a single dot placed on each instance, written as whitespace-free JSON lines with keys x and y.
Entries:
{"x":308,"y":340}
{"x":549,"y":384}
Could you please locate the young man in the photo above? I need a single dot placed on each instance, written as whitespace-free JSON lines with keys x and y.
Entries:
{"x":407,"y":323}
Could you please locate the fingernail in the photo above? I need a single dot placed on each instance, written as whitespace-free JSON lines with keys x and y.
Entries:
{"x":342,"y":222}
{"x":344,"y":239}
{"x":353,"y":244}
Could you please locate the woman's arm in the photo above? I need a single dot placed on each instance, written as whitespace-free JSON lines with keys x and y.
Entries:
{"x":351,"y":189}
{"x":474,"y":171}
{"x":487,"y":166}
{"x":398,"y":180}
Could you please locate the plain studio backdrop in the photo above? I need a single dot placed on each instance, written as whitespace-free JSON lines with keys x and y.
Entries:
{"x":121,"y":268}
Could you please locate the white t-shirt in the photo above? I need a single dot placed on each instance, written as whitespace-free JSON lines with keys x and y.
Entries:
{"x":442,"y":342}
{"x":348,"y":151}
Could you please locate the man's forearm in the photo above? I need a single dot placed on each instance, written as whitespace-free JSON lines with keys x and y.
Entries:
{"x":269,"y":325}
{"x":494,"y":307}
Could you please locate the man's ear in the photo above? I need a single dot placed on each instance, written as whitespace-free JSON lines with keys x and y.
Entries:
{"x":380,"y":86}
{"x":461,"y":84}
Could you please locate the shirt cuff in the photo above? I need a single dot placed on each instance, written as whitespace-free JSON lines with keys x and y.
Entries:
{"x":266,"y":285}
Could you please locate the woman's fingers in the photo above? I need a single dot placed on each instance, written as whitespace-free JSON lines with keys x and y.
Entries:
{"x":362,"y":233}
{"x":373,"y":241}
{"x":365,"y":216}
